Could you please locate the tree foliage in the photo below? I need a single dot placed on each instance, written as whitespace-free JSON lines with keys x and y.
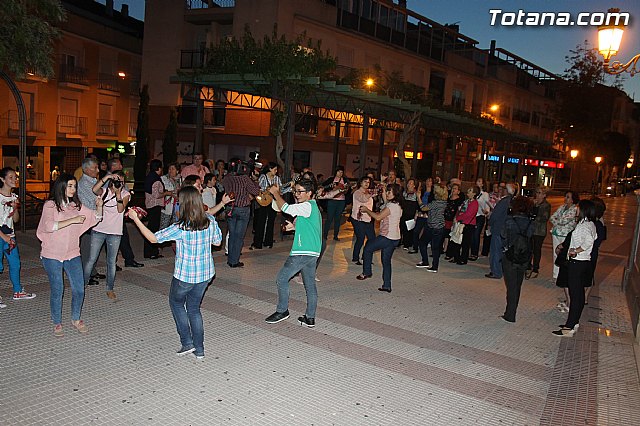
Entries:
{"x":27,"y":32}
{"x":170,"y":140}
{"x":142,"y":138}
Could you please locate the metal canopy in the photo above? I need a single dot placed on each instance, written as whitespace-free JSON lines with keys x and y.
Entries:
{"x":333,"y":101}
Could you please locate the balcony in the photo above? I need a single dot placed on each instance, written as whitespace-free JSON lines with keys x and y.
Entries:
{"x":190,"y":59}
{"x":133,"y":128}
{"x":108,"y":82}
{"x":73,"y":77}
{"x":211,"y":116}
{"x":106,"y":127}
{"x":207,"y":11}
{"x":11,"y":124}
{"x":206,"y":4}
{"x":70,"y":126}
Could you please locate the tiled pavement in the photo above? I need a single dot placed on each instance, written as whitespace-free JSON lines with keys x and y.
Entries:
{"x":433,"y":352}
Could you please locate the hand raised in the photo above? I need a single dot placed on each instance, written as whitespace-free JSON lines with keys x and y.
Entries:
{"x":226,"y":199}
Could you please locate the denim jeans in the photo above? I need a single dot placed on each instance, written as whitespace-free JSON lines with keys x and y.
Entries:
{"x":306,"y":265}
{"x":387,"y":246}
{"x":185,"y":300}
{"x":73,"y":269}
{"x":113,"y":243}
{"x":334,"y":214}
{"x":13,"y":259}
{"x":361,"y":230}
{"x":237,"y":224}
{"x":495,"y":255}
{"x":433,"y":236}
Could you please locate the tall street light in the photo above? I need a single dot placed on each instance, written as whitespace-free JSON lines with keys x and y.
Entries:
{"x":609,"y":39}
{"x":574,"y":154}
{"x":598,"y":160}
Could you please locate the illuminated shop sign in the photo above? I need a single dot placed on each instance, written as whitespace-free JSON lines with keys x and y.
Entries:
{"x":530,"y":162}
{"x":513,"y":160}
{"x":543,"y":163}
{"x":408,"y":155}
{"x":491,"y":157}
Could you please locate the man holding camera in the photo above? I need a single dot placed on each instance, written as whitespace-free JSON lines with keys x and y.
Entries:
{"x":240,"y":187}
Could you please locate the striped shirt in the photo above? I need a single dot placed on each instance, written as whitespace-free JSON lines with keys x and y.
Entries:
{"x":436,"y":214}
{"x":85,"y":191}
{"x":264,"y":182}
{"x":194,"y":262}
{"x":242,"y":186}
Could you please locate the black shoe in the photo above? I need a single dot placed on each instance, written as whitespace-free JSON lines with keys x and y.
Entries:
{"x":422,"y":265}
{"x":277,"y":317}
{"x":459,"y":262}
{"x":237,"y":265}
{"x":473,"y":258}
{"x":309,"y":322}
{"x":155,"y":256}
{"x":448,"y":258}
{"x":118,"y":268}
{"x":133,"y":264}
{"x":490,"y":275}
{"x":357,"y":262}
{"x":388,"y":290}
{"x":93,"y":281}
{"x":268,"y":245}
{"x":99,"y":276}
{"x":412,"y":251}
{"x":252,"y":247}
{"x":507,"y":319}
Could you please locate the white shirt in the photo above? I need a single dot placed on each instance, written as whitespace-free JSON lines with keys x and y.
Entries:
{"x":483,"y":203}
{"x":583,"y":236}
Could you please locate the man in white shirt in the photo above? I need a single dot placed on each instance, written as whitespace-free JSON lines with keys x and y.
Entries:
{"x":483,"y":210}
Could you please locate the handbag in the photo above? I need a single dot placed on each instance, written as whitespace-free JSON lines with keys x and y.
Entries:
{"x":456,"y":232}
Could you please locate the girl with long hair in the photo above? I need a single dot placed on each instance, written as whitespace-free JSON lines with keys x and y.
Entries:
{"x":389,"y":236}
{"x":362,"y":223}
{"x":10,"y":214}
{"x":62,"y":222}
{"x":195,"y":231}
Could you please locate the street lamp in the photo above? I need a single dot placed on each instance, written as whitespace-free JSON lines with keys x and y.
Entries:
{"x":369,"y":83}
{"x":494,"y":108}
{"x":609,"y":39}
{"x":574,"y":154}
{"x":598,"y":160}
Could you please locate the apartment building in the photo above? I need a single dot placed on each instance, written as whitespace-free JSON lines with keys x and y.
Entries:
{"x":458,"y":76}
{"x":91,"y":103}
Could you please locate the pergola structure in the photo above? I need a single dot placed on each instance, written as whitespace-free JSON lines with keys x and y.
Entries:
{"x":342,"y":104}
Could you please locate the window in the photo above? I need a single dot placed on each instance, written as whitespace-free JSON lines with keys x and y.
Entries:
{"x":457,"y":99}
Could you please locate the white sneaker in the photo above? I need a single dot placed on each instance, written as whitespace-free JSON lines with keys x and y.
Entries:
{"x":317,"y":279}
{"x":23,"y":295}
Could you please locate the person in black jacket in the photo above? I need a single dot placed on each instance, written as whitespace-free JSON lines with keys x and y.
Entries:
{"x":335,"y":205}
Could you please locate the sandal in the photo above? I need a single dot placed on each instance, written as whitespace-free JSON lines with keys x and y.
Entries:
{"x":363,"y":277}
{"x":80,"y":326}
{"x":57,"y":330}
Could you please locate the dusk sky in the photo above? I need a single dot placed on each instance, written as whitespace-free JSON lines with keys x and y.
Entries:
{"x":545,"y":46}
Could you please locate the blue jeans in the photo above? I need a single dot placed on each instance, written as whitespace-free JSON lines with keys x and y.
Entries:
{"x":387,"y":246}
{"x":113,"y":243}
{"x":306,"y":265}
{"x":13,"y":259}
{"x":495,"y":254}
{"x":361,"y":230}
{"x":73,"y":269}
{"x":185,"y":300}
{"x":477,"y":235}
{"x":237,"y":224}
{"x":334,"y":214}
{"x":433,"y":236}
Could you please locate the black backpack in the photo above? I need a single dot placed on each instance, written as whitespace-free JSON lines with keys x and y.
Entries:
{"x":519,"y":252}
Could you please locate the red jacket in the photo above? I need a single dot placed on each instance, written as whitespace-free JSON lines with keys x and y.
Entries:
{"x":468,"y":217}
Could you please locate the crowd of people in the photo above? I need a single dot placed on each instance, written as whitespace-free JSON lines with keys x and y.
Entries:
{"x":183,"y":206}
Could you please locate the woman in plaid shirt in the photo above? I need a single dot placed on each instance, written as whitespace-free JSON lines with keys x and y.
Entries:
{"x":194,"y":233}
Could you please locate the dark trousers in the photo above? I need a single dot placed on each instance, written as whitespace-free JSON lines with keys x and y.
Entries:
{"x":477,"y":236}
{"x":334,"y":215}
{"x":536,"y":243}
{"x":421,"y":226}
{"x":433,"y":236}
{"x":263,"y":220}
{"x":407,"y":236}
{"x":154,"y":226}
{"x":465,"y":247}
{"x":125,"y":246}
{"x":513,"y":278}
{"x":577,"y":272}
{"x":486,"y":244}
{"x":361,"y":230}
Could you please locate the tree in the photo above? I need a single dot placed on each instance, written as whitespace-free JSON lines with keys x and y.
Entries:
{"x":284,"y":68}
{"x":27,"y":34}
{"x":170,"y":140}
{"x":142,"y":139}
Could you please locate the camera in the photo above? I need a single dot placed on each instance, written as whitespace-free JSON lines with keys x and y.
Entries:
{"x":240,"y":167}
{"x":116,"y":183}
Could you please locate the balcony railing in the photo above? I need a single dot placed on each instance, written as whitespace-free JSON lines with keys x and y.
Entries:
{"x":107,"y":127}
{"x":211,"y":117}
{"x":72,"y":125}
{"x":133,"y":128}
{"x":35,"y":122}
{"x":190,"y":59}
{"x":70,"y":74}
{"x":108,"y":82}
{"x":205,"y":4}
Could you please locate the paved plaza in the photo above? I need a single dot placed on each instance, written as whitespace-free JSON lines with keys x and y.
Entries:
{"x":432,"y":352}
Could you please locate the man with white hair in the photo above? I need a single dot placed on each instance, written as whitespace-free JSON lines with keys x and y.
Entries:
{"x":496,"y":223}
{"x":89,"y":178}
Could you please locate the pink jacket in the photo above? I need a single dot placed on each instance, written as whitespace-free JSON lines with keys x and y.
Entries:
{"x":62,"y":244}
{"x":469,"y":216}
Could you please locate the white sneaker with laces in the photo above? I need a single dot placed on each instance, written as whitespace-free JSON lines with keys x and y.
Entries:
{"x":23,"y":295}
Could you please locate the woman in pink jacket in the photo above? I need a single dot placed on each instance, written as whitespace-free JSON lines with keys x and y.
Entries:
{"x":467,"y":216}
{"x":62,"y":222}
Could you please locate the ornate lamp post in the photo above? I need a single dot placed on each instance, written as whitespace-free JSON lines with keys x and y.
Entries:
{"x":609,"y":39}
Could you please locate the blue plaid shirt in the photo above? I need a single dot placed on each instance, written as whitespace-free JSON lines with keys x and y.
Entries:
{"x":194,"y":262}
